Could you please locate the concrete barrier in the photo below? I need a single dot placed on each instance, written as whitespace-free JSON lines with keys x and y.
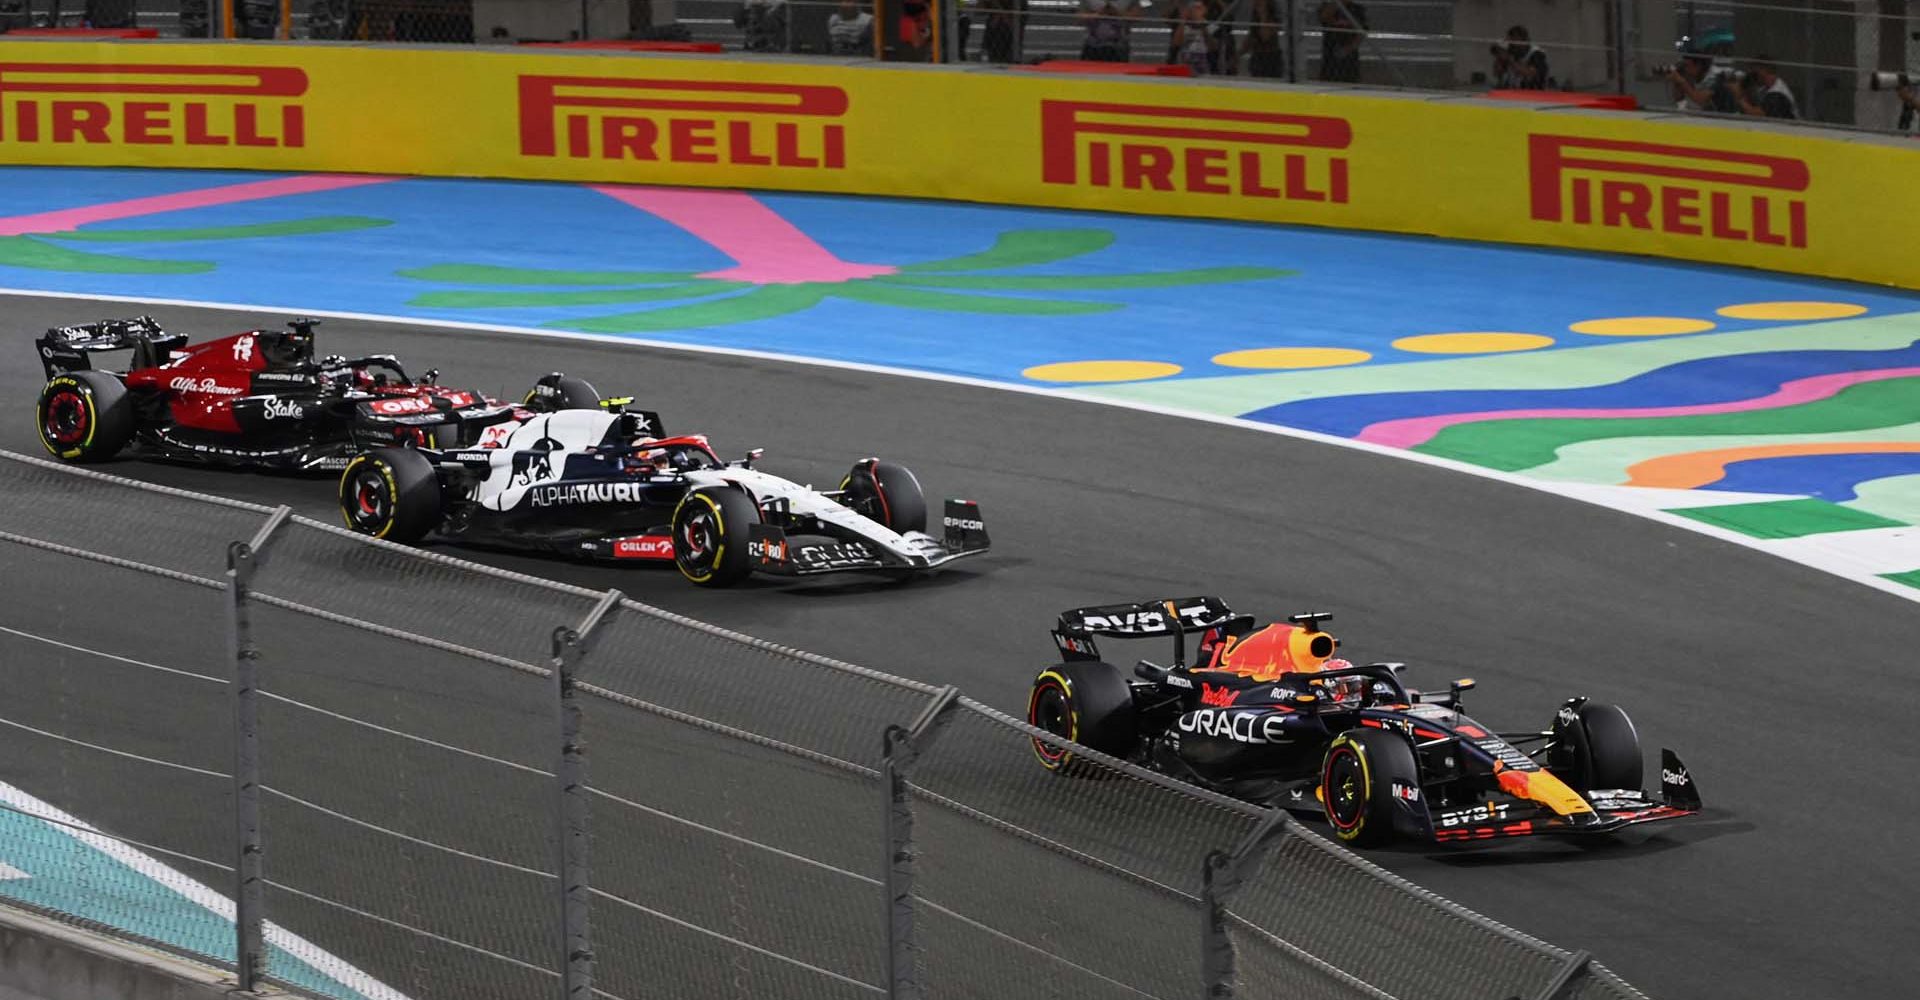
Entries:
{"x":41,"y":959}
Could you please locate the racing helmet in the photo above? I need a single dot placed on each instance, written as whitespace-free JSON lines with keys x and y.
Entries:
{"x":285,"y":349}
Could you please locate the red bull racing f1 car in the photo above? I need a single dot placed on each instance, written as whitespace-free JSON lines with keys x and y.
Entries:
{"x":258,"y":399}
{"x":1268,"y":714}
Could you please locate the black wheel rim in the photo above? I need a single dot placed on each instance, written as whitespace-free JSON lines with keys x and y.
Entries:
{"x":368,"y":504}
{"x":66,"y":421}
{"x":1345,"y":789}
{"x":1052,"y":710}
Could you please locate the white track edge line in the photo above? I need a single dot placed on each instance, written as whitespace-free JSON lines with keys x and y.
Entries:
{"x":1810,"y":560}
{"x":337,"y":969}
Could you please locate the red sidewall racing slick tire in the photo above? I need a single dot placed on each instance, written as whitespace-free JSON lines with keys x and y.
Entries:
{"x":391,"y":493}
{"x":1597,"y":748}
{"x":889,"y":494}
{"x":710,"y":536}
{"x":1356,"y":784}
{"x":84,"y":416}
{"x":1089,"y":703}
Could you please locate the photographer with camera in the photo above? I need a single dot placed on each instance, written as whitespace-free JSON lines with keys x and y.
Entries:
{"x":1520,"y":64}
{"x":1704,"y":78}
{"x":1903,"y":87}
{"x":1763,"y":94}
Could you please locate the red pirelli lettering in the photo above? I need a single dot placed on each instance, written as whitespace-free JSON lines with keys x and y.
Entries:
{"x":1659,"y":187}
{"x":1248,"y":154}
{"x":152,"y":104}
{"x":684,"y":121}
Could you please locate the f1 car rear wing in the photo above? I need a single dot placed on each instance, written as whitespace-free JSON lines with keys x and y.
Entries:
{"x":66,"y":348}
{"x":1176,"y":617}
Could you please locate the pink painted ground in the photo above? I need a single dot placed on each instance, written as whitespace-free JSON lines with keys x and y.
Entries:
{"x":68,"y":219}
{"x":1414,"y":431}
{"x":767,"y":249}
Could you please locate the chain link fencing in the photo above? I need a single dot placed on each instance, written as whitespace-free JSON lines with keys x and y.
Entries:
{"x":1842,"y":61}
{"x":358,"y":770}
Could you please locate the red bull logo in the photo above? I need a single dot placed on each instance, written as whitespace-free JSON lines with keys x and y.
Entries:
{"x":683,"y":121}
{"x":1683,"y":190}
{"x":157,"y":104}
{"x":1148,"y":147}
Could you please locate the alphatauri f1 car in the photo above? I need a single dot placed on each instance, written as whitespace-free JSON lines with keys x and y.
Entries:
{"x":1267,"y":714}
{"x":608,"y":484}
{"x":257,"y":399}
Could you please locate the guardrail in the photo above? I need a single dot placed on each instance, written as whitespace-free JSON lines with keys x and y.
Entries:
{"x":411,"y":775}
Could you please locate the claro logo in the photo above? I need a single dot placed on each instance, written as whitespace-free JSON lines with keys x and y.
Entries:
{"x":1685,"y":190}
{"x":157,"y":104}
{"x":1248,"y":154}
{"x":683,"y":121}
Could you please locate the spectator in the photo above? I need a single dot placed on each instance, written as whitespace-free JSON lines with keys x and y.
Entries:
{"x":1701,"y":85}
{"x":1343,"y":27}
{"x":1193,"y":41}
{"x":850,"y":30}
{"x":1002,"y":26}
{"x":1909,"y":103}
{"x":764,"y":25}
{"x":1108,"y":29}
{"x":916,"y":30}
{"x":1265,"y":57}
{"x":1775,"y":99}
{"x":1520,"y":64}
{"x":1226,"y":57}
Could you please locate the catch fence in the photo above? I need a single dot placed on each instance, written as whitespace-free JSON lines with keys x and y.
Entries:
{"x":360,"y":770}
{"x":1827,"y":52}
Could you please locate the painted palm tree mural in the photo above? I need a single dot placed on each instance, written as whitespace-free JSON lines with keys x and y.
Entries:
{"x":44,"y":241}
{"x":780,"y":270}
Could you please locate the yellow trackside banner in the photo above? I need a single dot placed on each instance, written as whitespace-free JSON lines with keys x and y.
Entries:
{"x":1812,"y":203}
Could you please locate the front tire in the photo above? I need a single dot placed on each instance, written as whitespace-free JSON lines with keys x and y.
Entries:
{"x":84,"y":416}
{"x":391,"y":493}
{"x":887,"y":493}
{"x":1087,"y":702}
{"x":1596,"y":748}
{"x":710,"y":536}
{"x":1357,"y":779}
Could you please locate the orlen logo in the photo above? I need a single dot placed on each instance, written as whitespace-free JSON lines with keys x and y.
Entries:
{"x":152,"y":104}
{"x":1251,"y":154}
{"x":643,"y":547}
{"x":1687,"y":190}
{"x":683,"y":121}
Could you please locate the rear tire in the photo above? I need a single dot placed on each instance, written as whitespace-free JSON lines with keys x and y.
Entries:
{"x":888,"y":493}
{"x":556,"y":392}
{"x":1087,"y":702}
{"x":391,"y":493}
{"x":710,"y":536}
{"x":1598,"y":748}
{"x":84,"y":416}
{"x":1356,"y":784}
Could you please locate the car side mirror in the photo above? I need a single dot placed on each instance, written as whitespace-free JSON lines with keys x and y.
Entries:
{"x":431,"y":377}
{"x":753,"y":455}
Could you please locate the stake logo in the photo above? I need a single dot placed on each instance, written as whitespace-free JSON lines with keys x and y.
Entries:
{"x":1685,"y":190}
{"x":1146,"y":147}
{"x":683,"y":121}
{"x":152,"y":104}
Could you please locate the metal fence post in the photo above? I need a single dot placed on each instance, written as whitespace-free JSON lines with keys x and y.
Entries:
{"x":901,"y":747}
{"x":1575,"y":965}
{"x":1292,"y":27}
{"x":570,"y":644}
{"x":243,"y":560}
{"x":1623,"y":44}
{"x":1220,"y":876}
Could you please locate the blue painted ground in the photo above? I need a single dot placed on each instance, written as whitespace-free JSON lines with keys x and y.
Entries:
{"x":1352,"y":290}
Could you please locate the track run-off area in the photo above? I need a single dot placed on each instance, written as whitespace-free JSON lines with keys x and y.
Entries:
{"x":1719,"y":418}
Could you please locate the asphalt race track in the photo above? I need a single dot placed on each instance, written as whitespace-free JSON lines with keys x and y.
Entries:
{"x":1787,"y":691}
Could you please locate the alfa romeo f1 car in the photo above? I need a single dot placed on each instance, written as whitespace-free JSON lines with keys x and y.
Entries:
{"x":608,"y":484}
{"x":257,"y":398}
{"x":1267,"y":714}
